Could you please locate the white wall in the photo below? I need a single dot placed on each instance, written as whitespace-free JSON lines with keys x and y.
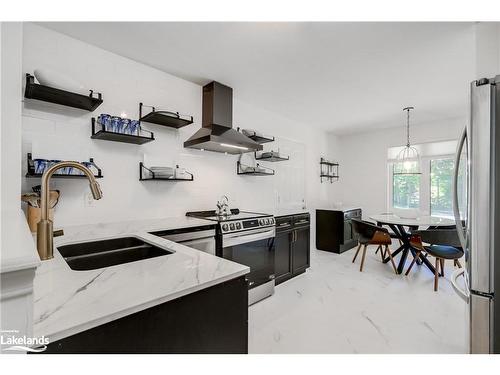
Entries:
{"x":63,"y":133}
{"x":487,"y":53}
{"x":364,"y":177}
{"x":11,"y":94}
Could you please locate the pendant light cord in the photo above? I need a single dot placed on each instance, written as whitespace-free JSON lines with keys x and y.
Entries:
{"x":407,"y":109}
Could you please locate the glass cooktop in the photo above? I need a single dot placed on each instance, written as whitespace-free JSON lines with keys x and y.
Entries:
{"x":236,"y":215}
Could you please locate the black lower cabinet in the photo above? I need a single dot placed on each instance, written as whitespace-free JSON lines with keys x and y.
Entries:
{"x":292,"y":246}
{"x":301,"y":250}
{"x":283,"y":256}
{"x":213,"y":320}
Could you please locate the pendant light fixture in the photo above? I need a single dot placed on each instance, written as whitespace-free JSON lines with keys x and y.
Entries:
{"x":408,"y":159}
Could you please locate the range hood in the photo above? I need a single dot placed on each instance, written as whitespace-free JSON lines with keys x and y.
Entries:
{"x":217,"y":133}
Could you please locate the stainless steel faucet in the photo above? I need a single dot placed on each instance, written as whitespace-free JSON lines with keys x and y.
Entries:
{"x":44,"y":232}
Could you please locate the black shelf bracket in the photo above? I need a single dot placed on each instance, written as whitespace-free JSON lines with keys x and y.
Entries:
{"x":164,"y":118}
{"x":142,"y":177}
{"x":258,"y":170}
{"x":32,"y":172}
{"x":62,"y":97}
{"x":107,"y":135}
{"x":329,"y":171}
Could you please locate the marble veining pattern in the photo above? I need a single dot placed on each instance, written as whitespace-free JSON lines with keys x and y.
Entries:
{"x":333,"y":308}
{"x":67,"y":302}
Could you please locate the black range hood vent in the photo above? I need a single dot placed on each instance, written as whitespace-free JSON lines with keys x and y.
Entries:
{"x":217,"y":133}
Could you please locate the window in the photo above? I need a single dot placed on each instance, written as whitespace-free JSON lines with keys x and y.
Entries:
{"x":431,"y":192}
{"x":406,"y":191}
{"x":441,"y":186}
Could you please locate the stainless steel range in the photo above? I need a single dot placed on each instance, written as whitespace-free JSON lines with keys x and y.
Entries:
{"x":246,"y":238}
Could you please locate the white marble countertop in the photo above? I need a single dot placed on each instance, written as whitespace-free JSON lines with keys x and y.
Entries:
{"x":67,"y":302}
{"x":277,"y":212}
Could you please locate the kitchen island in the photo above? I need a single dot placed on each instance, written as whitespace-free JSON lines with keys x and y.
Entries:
{"x":187,"y":301}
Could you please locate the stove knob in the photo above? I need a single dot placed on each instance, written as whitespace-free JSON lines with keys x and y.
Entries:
{"x":231,"y":226}
{"x":271,"y":221}
{"x":225,"y":227}
{"x":266,"y":221}
{"x":261,"y":222}
{"x":238,"y":225}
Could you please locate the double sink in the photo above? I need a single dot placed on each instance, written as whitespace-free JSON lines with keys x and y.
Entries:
{"x":85,"y":256}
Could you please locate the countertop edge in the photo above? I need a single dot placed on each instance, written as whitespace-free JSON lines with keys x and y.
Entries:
{"x":141,"y":307}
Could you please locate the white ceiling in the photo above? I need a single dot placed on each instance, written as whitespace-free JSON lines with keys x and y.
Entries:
{"x":342,"y":77}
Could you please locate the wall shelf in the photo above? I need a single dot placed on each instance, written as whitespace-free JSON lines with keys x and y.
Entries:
{"x":143,"y":170}
{"x":62,"y":97}
{"x":105,"y":135}
{"x":257,"y":137}
{"x":271,"y":157}
{"x":32,"y":172}
{"x":164,"y":118}
{"x":329,"y":171}
{"x":258,"y":170}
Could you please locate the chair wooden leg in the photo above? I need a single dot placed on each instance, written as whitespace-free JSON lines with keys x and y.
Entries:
{"x":441,"y":261}
{"x":363,"y":259}
{"x":357,"y":251}
{"x":412,"y":263}
{"x":436,"y":275}
{"x":387,"y":251}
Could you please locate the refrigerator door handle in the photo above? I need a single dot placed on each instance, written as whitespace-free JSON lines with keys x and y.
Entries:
{"x":463,"y":293}
{"x":456,"y":208}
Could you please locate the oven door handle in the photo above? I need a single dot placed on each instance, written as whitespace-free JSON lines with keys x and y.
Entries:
{"x":244,"y":238}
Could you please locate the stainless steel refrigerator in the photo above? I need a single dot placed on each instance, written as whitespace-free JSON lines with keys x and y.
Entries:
{"x":478,"y":216}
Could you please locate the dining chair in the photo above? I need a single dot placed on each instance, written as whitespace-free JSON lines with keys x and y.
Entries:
{"x":443,"y":244}
{"x":391,"y":233}
{"x":371,"y":234}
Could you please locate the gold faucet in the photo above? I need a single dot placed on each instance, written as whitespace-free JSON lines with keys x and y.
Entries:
{"x":44,"y":232}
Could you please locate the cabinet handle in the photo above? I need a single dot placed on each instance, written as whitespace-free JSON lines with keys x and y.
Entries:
{"x":302,"y":221}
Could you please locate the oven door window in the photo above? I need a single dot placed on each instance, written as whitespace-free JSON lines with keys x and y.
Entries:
{"x":258,"y":255}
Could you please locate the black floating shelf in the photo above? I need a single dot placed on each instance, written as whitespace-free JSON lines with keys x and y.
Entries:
{"x":329,"y":163}
{"x":329,"y":170}
{"x":272,"y":158}
{"x":142,"y":167}
{"x":105,"y":135}
{"x":258,"y":138}
{"x":62,"y":97}
{"x":164,"y":118}
{"x":32,"y":174}
{"x":253,"y":171}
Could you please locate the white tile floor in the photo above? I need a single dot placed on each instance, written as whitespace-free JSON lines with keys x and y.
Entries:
{"x":333,"y":308}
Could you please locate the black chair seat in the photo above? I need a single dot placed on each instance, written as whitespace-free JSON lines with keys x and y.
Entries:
{"x":445,"y":252}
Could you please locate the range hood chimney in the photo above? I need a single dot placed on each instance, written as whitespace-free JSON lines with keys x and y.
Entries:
{"x":217,"y":133}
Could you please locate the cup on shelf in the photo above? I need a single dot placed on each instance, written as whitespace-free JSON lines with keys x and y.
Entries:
{"x":54,"y":162}
{"x":40,"y":165}
{"x":133,"y":127}
{"x":105,"y":120}
{"x":124,"y":125}
{"x":116,"y":124}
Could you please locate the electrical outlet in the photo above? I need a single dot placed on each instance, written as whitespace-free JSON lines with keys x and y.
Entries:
{"x":88,"y":199}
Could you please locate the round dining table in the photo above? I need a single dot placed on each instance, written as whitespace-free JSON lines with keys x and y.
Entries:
{"x":399,"y":224}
